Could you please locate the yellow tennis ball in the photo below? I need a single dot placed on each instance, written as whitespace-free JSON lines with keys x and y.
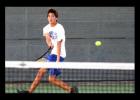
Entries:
{"x":98,"y":43}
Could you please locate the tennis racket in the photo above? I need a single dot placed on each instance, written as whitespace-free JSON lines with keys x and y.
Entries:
{"x":43,"y":54}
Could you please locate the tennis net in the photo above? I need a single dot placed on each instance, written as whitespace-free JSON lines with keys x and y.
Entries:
{"x":89,"y":77}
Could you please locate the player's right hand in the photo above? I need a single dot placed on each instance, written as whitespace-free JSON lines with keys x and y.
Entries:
{"x":51,"y":46}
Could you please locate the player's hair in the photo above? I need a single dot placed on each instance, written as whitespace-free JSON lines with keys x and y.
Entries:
{"x":53,"y":11}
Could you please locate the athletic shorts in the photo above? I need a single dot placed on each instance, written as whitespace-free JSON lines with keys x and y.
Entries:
{"x":53,"y":58}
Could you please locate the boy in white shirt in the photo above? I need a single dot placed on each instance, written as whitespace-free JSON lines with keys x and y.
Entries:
{"x":54,"y":34}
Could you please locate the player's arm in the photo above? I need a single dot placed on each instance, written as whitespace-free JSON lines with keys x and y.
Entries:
{"x":48,"y":40}
{"x":58,"y":50}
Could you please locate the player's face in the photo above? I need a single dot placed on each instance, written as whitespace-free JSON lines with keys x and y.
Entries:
{"x":51,"y":18}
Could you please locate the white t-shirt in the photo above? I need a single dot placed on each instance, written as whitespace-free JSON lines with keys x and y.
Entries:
{"x":57,"y":33}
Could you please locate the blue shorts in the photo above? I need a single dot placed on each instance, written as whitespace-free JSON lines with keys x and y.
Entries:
{"x":53,"y":58}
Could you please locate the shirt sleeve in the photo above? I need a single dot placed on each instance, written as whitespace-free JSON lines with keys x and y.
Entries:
{"x":61,"y":33}
{"x":45,"y":30}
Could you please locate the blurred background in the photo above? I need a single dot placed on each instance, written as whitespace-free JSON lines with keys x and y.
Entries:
{"x":113,"y":26}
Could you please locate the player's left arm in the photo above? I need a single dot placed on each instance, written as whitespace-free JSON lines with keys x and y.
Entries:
{"x":58,"y":50}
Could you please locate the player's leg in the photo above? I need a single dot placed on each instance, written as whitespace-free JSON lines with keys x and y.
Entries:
{"x":35,"y":83}
{"x":37,"y":79}
{"x":52,"y":79}
{"x":53,"y":73}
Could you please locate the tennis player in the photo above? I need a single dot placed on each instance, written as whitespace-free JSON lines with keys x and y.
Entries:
{"x":54,"y":34}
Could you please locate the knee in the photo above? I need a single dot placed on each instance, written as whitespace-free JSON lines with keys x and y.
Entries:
{"x":51,"y":79}
{"x":42,"y":70}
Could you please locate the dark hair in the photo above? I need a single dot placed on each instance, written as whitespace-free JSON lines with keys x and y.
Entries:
{"x":53,"y":11}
